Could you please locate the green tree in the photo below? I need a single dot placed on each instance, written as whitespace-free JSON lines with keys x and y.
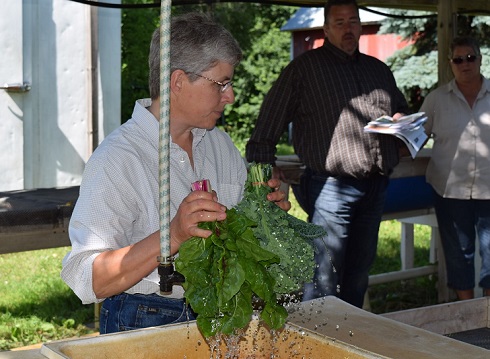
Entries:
{"x":415,"y":67}
{"x":266,"y":52}
{"x":256,"y":28}
{"x":137,"y":27}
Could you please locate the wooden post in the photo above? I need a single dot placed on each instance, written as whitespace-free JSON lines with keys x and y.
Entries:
{"x":446,"y":29}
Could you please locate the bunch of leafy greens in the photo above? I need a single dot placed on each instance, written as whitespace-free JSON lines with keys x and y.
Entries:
{"x":279,"y":232}
{"x":258,"y":251}
{"x":223,"y":271}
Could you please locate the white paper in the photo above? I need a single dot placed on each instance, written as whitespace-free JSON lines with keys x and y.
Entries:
{"x":408,"y":128}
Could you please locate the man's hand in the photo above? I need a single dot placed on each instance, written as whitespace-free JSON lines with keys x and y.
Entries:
{"x":278,"y":196}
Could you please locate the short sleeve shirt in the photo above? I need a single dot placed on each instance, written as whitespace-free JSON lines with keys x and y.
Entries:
{"x":460,"y":163}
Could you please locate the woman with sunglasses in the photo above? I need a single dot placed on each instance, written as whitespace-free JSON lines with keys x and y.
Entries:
{"x":459,"y":169}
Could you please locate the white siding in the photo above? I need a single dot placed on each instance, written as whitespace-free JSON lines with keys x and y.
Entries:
{"x":48,"y":137}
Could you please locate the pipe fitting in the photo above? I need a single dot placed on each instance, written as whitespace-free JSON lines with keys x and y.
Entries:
{"x":168,"y":278}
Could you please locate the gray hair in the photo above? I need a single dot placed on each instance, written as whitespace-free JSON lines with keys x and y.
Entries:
{"x":197,"y":43}
{"x":464,"y":41}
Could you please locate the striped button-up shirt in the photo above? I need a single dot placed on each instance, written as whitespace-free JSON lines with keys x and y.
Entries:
{"x":329,"y":96}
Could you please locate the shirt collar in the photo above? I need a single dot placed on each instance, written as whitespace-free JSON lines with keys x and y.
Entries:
{"x":342,"y":55}
{"x":145,"y":120}
{"x":485,"y":86}
{"x":150,"y":124}
{"x":198,"y":135}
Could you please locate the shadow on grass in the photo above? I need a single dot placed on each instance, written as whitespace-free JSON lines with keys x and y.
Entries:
{"x":56,"y":307}
{"x":56,"y":316}
{"x":401,"y":295}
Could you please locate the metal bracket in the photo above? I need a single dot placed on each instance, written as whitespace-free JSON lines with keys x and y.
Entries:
{"x":16,"y":87}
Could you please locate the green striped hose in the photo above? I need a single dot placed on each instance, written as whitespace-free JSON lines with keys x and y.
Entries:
{"x":164,"y":132}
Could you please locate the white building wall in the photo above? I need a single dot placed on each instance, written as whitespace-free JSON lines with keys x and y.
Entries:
{"x":11,"y":126}
{"x":45,"y":137}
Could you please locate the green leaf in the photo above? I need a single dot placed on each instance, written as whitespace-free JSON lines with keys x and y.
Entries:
{"x":240,"y":316}
{"x":260,"y":280}
{"x":274,"y":315}
{"x":254,"y":253}
{"x":233,"y":278}
{"x":202,"y":299}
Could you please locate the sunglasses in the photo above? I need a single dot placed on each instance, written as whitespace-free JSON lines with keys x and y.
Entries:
{"x":459,"y":60}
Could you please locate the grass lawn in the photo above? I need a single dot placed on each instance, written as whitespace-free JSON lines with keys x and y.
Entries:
{"x":36,"y":305}
{"x":400,"y":295}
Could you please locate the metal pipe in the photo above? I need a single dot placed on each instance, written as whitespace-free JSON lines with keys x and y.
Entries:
{"x":92,"y":77}
{"x":94,"y":73}
{"x":16,"y":87}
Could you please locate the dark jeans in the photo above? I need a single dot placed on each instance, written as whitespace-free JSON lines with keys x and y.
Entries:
{"x":460,"y":223}
{"x":350,"y":210}
{"x":134,"y":311}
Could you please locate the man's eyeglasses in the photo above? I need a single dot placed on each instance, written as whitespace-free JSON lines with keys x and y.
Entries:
{"x":460,"y":59}
{"x":224,"y":86}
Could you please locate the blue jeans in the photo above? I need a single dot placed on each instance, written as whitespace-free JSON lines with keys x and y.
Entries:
{"x":350,"y":210}
{"x":460,"y":223}
{"x":134,"y":311}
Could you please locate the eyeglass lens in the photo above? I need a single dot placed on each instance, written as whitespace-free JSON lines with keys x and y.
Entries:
{"x":459,"y":60}
{"x":224,"y":86}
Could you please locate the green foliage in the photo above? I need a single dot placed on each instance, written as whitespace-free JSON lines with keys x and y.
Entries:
{"x":279,"y":232}
{"x":248,"y":255}
{"x":137,"y":28}
{"x":223,"y":272}
{"x":416,"y":67}
{"x":411,"y":25}
{"x":425,"y":68}
{"x":415,"y":75}
{"x":256,"y":28}
{"x":266,"y":53}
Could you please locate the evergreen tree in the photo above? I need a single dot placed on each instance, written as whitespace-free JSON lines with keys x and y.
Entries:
{"x":415,"y":67}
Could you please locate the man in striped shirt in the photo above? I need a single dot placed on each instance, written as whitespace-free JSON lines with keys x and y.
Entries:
{"x":329,"y":94}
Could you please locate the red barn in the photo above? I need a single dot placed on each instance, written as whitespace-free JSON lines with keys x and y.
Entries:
{"x":306,"y":26}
